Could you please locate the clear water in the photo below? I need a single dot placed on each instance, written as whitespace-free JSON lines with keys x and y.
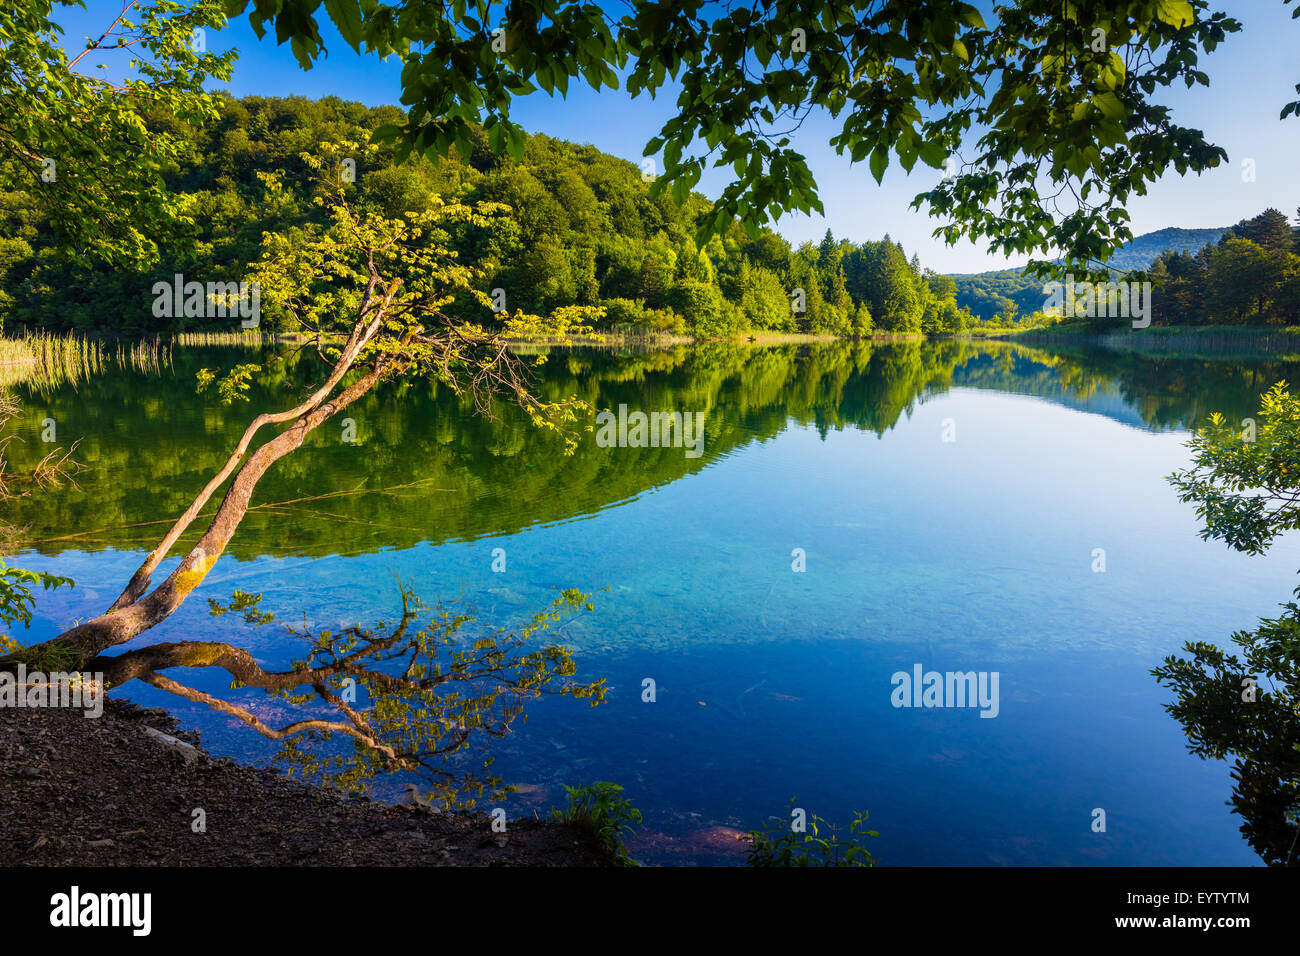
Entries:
{"x":975,"y":554}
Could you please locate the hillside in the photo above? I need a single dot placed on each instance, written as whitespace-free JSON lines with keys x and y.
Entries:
{"x":1142,"y":251}
{"x":986,"y":294}
{"x":581,"y":229}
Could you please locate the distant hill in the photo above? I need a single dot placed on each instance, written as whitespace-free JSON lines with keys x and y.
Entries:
{"x":1142,"y":251}
{"x":986,"y":293}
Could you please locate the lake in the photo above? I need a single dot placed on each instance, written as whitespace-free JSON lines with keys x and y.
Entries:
{"x":857,"y":512}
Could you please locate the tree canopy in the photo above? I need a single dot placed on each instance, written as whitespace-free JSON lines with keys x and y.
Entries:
{"x":1045,"y":118}
{"x":82,"y":145}
{"x":582,"y":229}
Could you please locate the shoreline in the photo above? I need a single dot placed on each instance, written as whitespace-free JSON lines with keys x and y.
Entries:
{"x":123,"y":790}
{"x":1221,"y":341}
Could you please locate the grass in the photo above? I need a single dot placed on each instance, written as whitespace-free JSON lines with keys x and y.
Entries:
{"x":600,"y":810}
{"x":8,"y":409}
{"x":44,"y":360}
{"x":1170,"y":338}
{"x":245,"y":338}
{"x":51,"y":471}
{"x":50,"y":657}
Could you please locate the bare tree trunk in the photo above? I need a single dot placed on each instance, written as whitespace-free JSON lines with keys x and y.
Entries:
{"x":362,"y":332}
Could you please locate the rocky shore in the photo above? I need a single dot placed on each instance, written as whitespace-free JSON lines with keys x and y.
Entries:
{"x":122,"y":790}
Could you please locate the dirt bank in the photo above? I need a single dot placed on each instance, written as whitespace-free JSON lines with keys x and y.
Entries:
{"x":107,"y":792}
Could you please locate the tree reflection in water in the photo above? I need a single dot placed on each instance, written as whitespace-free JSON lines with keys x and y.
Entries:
{"x":415,"y":695}
{"x":1249,"y":710}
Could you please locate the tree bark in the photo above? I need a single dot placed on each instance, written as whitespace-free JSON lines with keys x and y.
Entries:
{"x":122,"y":623}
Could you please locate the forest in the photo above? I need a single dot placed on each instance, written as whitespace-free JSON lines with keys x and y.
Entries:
{"x":582,"y":230}
{"x":1248,"y":274}
{"x":1251,"y":276}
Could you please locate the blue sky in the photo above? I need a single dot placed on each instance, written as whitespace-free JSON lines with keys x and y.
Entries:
{"x":1251,"y":76}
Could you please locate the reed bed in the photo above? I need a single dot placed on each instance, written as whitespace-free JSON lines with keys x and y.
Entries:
{"x":244,"y":338}
{"x":1208,"y":340}
{"x":44,"y":360}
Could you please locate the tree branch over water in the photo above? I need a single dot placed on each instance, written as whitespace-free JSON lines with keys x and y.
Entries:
{"x":411,"y":696}
{"x":373,"y":289}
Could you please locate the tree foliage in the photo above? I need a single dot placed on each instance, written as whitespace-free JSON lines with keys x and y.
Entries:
{"x":1245,"y":478}
{"x":1251,"y":276}
{"x":570,"y":226}
{"x":415,"y":694}
{"x":1246,"y":487}
{"x":1050,"y":111}
{"x":89,"y":151}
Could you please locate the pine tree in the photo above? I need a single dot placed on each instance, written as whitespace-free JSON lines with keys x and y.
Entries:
{"x":1269,"y":230}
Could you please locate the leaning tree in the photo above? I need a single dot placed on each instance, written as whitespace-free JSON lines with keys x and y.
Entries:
{"x":368,"y":294}
{"x":1045,"y":118}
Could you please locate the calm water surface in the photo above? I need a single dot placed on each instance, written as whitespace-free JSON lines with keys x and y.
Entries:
{"x":975,"y":554}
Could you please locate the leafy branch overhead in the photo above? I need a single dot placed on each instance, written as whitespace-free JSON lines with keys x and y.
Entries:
{"x":1044,"y":117}
{"x":91,"y":146}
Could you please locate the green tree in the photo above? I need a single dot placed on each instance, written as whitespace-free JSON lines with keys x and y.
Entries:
{"x":1041,"y":109}
{"x":703,"y":308}
{"x":1245,"y":484}
{"x":1241,"y":282}
{"x":894,"y":300}
{"x":372,"y":291}
{"x":764,"y":300}
{"x":1245,"y":480}
{"x":91,"y":152}
{"x":1269,"y":230}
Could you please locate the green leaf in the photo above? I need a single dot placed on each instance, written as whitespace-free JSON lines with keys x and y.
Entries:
{"x":346,"y":15}
{"x":879,"y":160}
{"x":1110,"y":105}
{"x":1178,"y":13}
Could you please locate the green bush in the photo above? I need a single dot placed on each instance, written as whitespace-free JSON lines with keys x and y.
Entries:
{"x":782,"y":846}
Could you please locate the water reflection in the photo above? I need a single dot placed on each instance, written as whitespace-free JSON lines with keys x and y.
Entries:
{"x":421,"y":695}
{"x":1246,"y":710}
{"x":423,"y":468}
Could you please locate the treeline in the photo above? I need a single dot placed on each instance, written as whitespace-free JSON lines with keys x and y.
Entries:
{"x":1003,"y":294}
{"x":1251,"y":276}
{"x":582,"y":231}
{"x":1009,"y":297}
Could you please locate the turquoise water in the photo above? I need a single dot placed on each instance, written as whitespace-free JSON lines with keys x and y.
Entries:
{"x":973,"y":554}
